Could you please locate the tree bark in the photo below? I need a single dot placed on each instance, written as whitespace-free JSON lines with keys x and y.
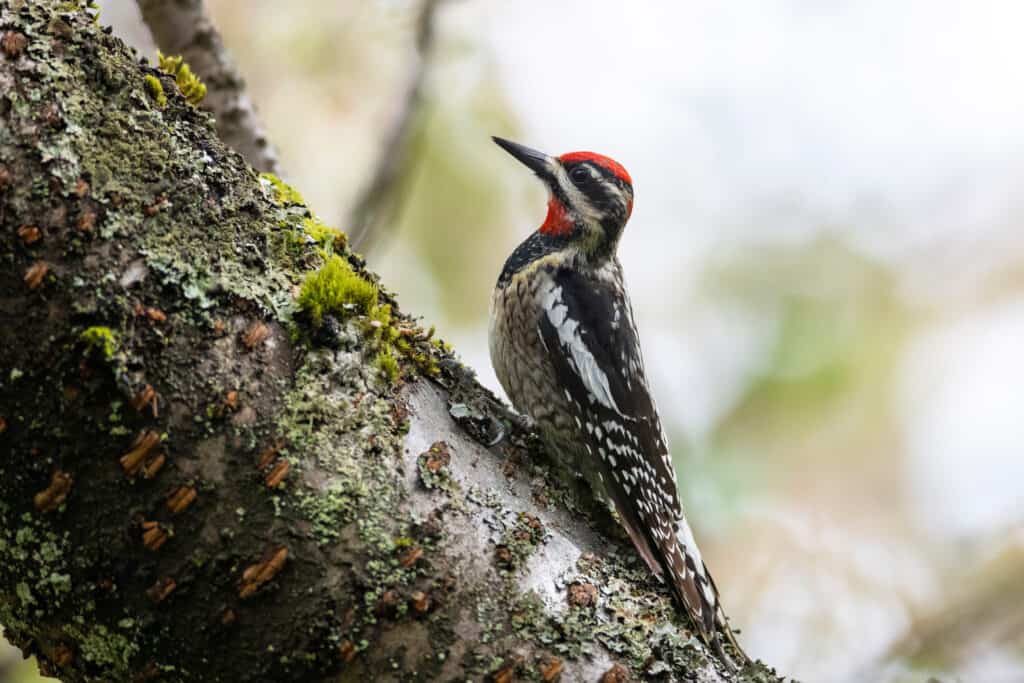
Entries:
{"x":183,"y":27}
{"x":197,"y":483}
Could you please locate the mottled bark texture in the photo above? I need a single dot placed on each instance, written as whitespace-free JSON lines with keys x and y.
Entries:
{"x":183,"y":27}
{"x":196,"y":484}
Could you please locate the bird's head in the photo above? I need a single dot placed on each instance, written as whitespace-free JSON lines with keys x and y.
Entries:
{"x":591,"y":196}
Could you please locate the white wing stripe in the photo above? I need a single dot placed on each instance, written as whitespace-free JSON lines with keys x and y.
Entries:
{"x":590,"y":373}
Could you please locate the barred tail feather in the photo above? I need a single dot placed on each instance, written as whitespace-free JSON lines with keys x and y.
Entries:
{"x":723,"y":626}
{"x":697,"y":593}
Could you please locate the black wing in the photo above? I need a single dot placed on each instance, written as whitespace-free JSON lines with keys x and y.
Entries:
{"x":588,"y":330}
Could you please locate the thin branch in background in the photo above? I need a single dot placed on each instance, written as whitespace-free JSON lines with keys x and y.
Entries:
{"x":978,"y":614}
{"x":381,"y":198}
{"x":183,"y":27}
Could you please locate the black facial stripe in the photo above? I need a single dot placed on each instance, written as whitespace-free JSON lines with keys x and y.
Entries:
{"x":605,"y":194}
{"x":580,"y":174}
{"x":598,"y":190}
{"x":597,"y":167}
{"x":532,"y":248}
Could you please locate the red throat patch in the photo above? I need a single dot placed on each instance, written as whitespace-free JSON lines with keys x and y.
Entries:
{"x":617,"y":169}
{"x":557,"y":223}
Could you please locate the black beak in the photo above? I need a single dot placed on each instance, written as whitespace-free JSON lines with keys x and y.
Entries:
{"x":538,"y":162}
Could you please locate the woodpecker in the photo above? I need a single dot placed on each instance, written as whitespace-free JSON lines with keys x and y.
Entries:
{"x":564,"y":346}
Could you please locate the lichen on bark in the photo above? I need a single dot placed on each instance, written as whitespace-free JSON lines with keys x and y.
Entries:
{"x":197,"y":482}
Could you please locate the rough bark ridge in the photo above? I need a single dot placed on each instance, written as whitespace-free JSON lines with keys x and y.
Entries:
{"x":184,"y":27}
{"x":198,"y":484}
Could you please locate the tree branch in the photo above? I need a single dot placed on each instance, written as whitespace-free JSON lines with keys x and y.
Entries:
{"x":377,"y":203}
{"x":199,"y":483}
{"x":183,"y":27}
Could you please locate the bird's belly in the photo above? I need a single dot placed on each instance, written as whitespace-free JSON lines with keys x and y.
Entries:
{"x":522,"y":364}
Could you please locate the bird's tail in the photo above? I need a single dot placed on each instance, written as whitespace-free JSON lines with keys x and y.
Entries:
{"x":666,"y":544}
{"x":723,"y":629}
{"x":697,"y":594}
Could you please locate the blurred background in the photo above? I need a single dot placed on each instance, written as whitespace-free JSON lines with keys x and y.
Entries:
{"x":825,"y":260}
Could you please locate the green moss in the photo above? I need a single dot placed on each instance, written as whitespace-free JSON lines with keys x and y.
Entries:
{"x":283,"y":193}
{"x":24,"y":594}
{"x":423,"y":361}
{"x":378,"y":325}
{"x":440,"y":344}
{"x":156,"y":90}
{"x":191,"y":87}
{"x":106,"y":648}
{"x":169,"y":63}
{"x":387,"y":364}
{"x":43,"y":580}
{"x":101,"y":339}
{"x":336,"y":289}
{"x":330,"y":510}
{"x":325,"y":235}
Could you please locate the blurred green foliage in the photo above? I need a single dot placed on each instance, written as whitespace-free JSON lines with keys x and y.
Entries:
{"x":456,"y":199}
{"x":840,"y":330}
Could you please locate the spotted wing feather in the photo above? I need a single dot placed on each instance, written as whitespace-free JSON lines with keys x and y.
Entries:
{"x":588,"y":331}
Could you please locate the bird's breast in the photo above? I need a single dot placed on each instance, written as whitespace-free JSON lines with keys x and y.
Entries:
{"x":518,"y":355}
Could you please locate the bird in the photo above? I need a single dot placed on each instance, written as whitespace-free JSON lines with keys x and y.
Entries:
{"x":564,"y":346}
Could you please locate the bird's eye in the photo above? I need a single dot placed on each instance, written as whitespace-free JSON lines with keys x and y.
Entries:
{"x":580,"y":175}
